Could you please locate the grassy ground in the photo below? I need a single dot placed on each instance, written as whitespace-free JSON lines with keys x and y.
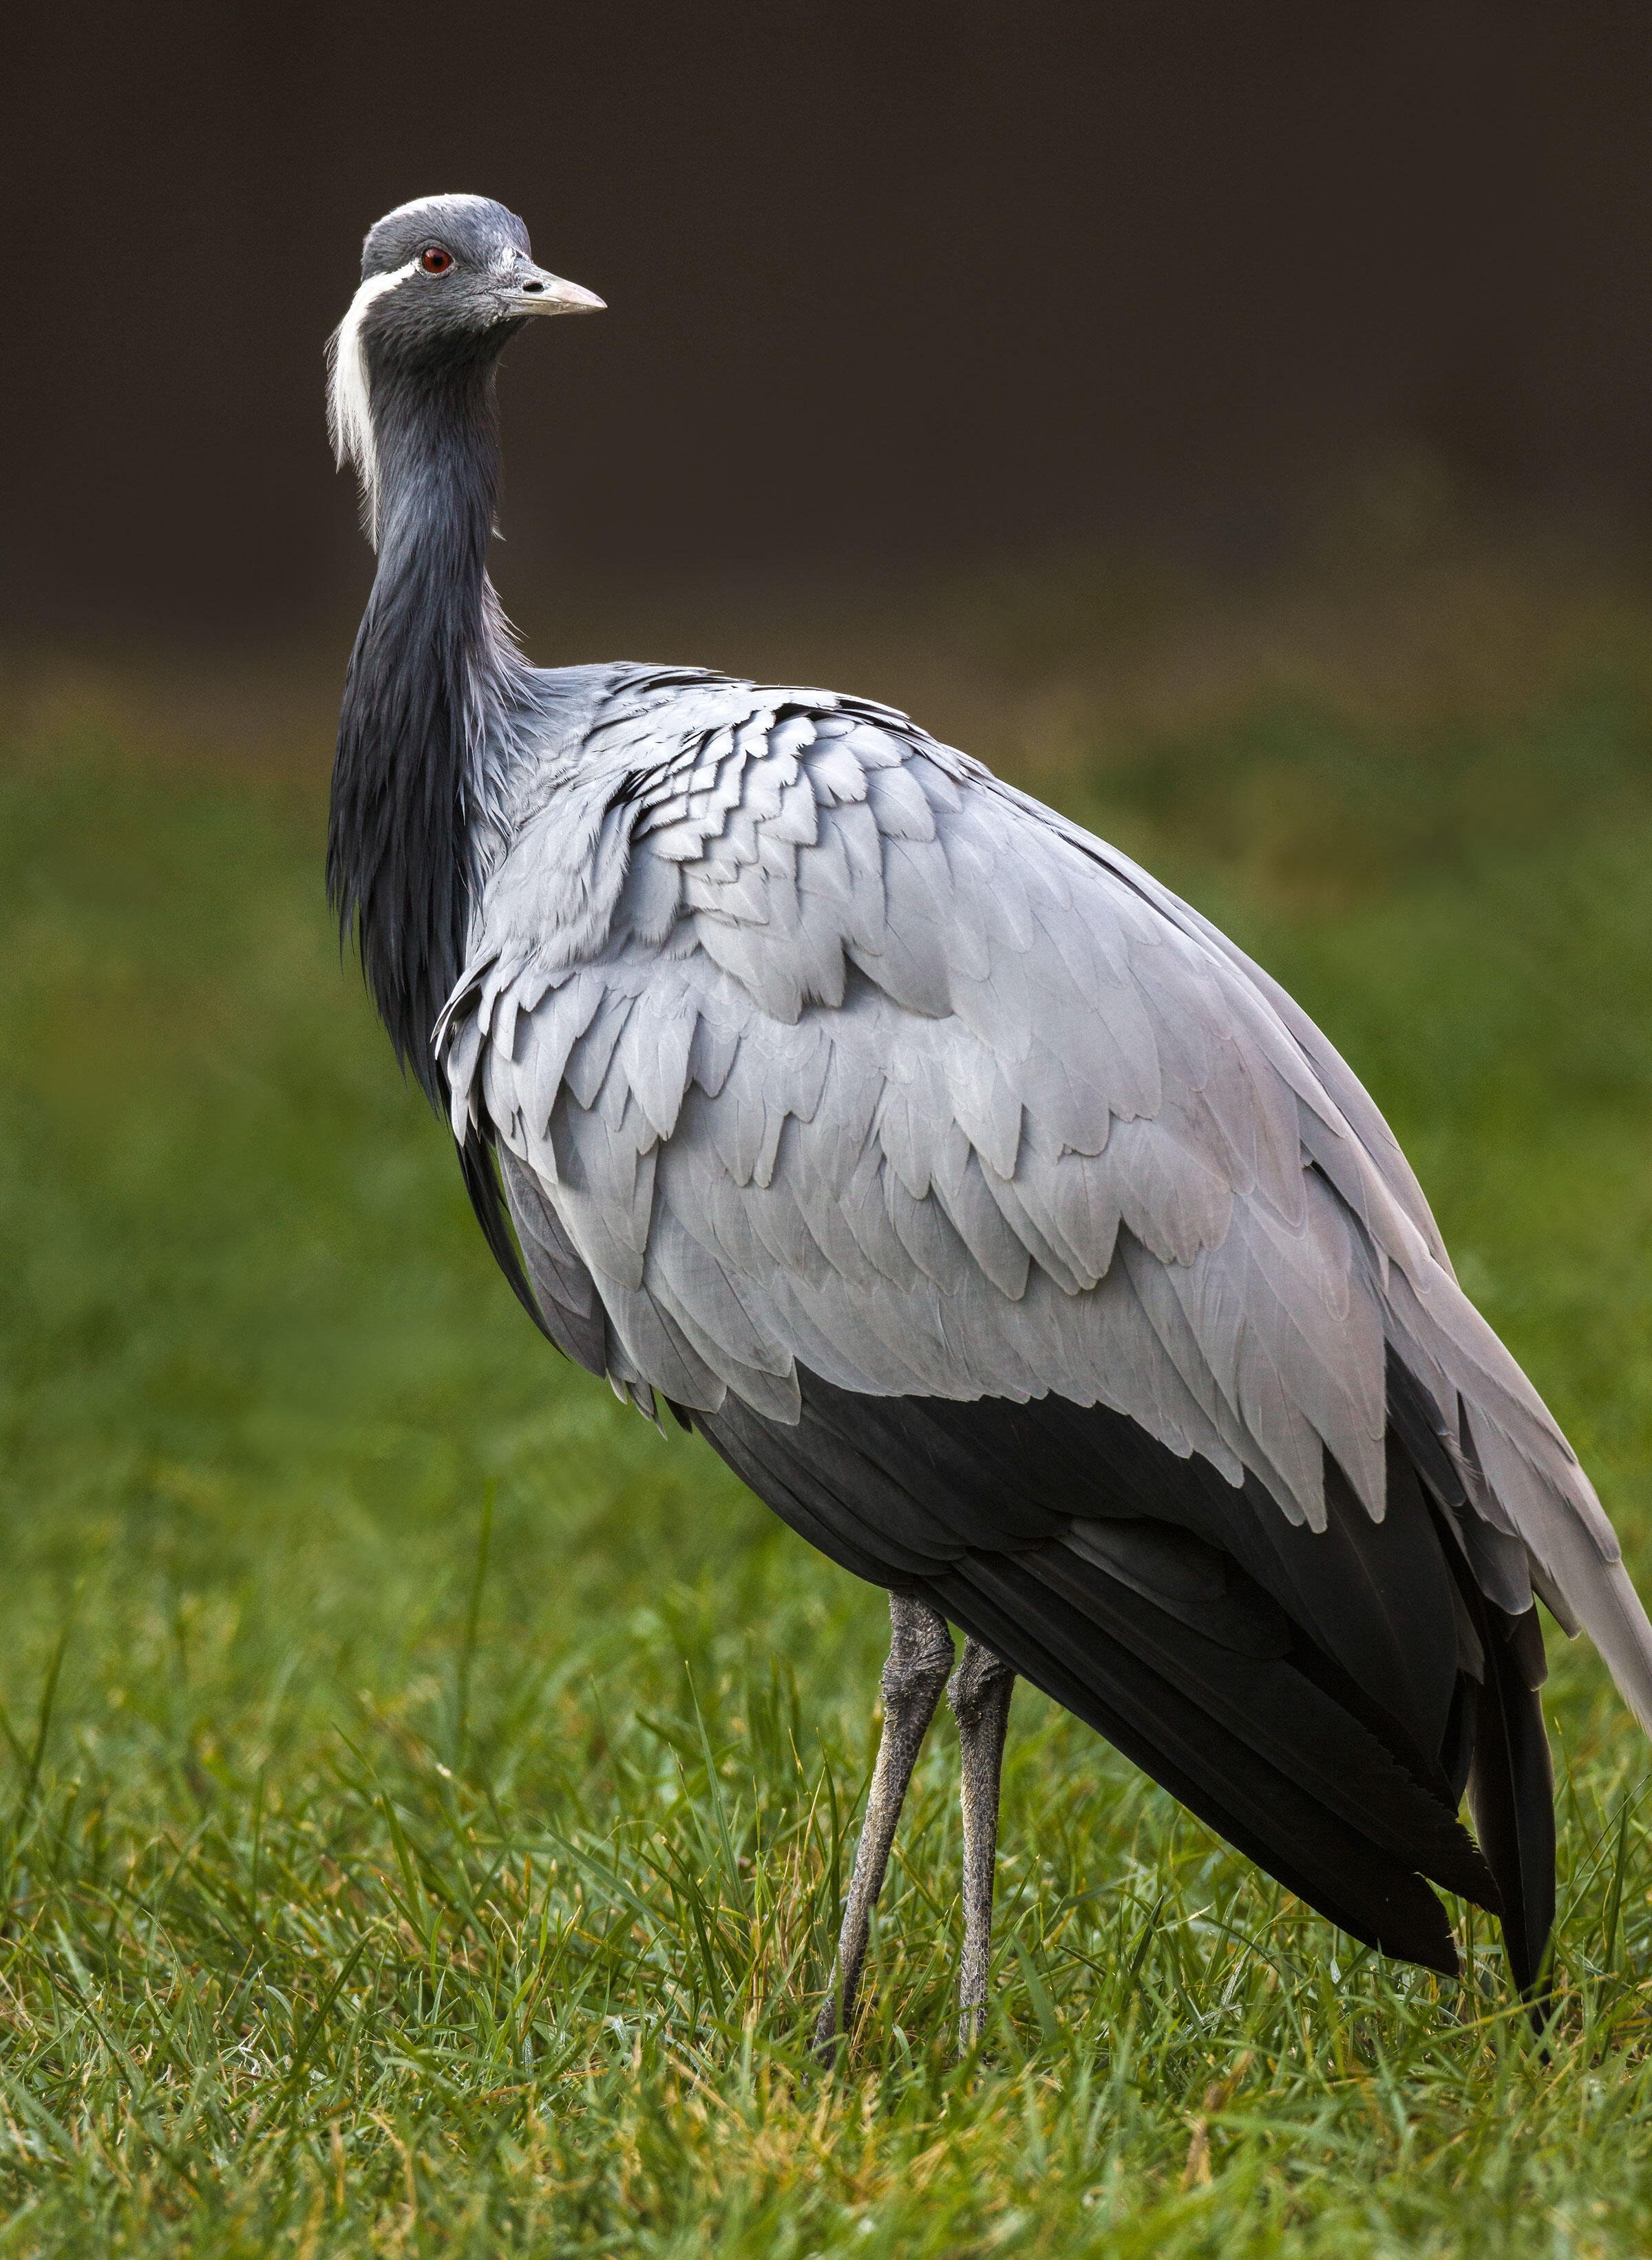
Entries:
{"x":428,"y":1790}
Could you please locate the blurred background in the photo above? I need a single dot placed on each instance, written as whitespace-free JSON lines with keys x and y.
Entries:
{"x":890,"y":286}
{"x":1072,"y":373}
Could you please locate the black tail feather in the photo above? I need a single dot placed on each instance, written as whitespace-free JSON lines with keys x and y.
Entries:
{"x":1511,"y":1790}
{"x":1320,"y":1697}
{"x":1294,"y":1835}
{"x":1295,"y":1727}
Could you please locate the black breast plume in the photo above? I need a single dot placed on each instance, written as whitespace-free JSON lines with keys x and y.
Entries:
{"x":416,"y":712}
{"x":431,"y":682}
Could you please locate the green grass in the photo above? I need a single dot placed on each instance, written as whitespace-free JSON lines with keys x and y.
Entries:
{"x":426,"y":1791}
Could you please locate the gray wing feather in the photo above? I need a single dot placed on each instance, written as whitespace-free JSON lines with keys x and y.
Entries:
{"x":810,"y":1043}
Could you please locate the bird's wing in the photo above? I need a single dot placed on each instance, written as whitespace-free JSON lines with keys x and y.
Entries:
{"x":828,"y":1052}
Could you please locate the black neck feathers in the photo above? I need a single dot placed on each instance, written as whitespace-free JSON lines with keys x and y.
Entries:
{"x":424,"y":698}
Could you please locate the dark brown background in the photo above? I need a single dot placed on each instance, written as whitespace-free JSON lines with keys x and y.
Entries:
{"x":887,"y":282}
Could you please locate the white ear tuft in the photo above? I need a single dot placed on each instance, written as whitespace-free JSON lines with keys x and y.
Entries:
{"x":349,"y":395}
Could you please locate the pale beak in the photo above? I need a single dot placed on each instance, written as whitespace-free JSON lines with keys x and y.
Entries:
{"x":536,"y":292}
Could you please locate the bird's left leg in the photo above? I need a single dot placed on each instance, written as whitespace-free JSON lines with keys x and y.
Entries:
{"x":919,"y":1657}
{"x":979,"y":1697}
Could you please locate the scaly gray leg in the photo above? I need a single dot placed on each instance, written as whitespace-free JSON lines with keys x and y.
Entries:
{"x":980,"y":1698}
{"x":919,"y":1658}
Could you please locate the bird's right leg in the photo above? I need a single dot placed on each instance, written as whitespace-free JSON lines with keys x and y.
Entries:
{"x":981,"y":1705}
{"x":919,"y":1661}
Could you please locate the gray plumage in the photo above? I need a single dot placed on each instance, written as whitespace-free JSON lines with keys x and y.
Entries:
{"x":818,"y":1044}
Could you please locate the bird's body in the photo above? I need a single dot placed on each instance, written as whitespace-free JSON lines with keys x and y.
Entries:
{"x":1014,"y":1236}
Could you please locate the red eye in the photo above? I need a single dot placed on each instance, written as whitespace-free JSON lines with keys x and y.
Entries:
{"x":434,"y":260}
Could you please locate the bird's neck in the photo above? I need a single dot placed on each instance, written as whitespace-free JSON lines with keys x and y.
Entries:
{"x":427,"y":703}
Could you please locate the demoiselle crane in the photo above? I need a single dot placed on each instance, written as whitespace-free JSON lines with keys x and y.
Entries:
{"x":1019,"y":1242}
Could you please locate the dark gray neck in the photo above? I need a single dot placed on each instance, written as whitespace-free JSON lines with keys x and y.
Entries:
{"x":427,"y":699}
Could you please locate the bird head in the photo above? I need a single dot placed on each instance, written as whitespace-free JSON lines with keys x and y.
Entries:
{"x":446,"y":283}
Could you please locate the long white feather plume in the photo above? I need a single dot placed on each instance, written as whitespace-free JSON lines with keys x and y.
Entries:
{"x":350,"y":394}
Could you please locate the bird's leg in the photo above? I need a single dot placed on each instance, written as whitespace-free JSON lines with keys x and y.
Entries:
{"x":919,"y":1658}
{"x":980,"y":1698}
